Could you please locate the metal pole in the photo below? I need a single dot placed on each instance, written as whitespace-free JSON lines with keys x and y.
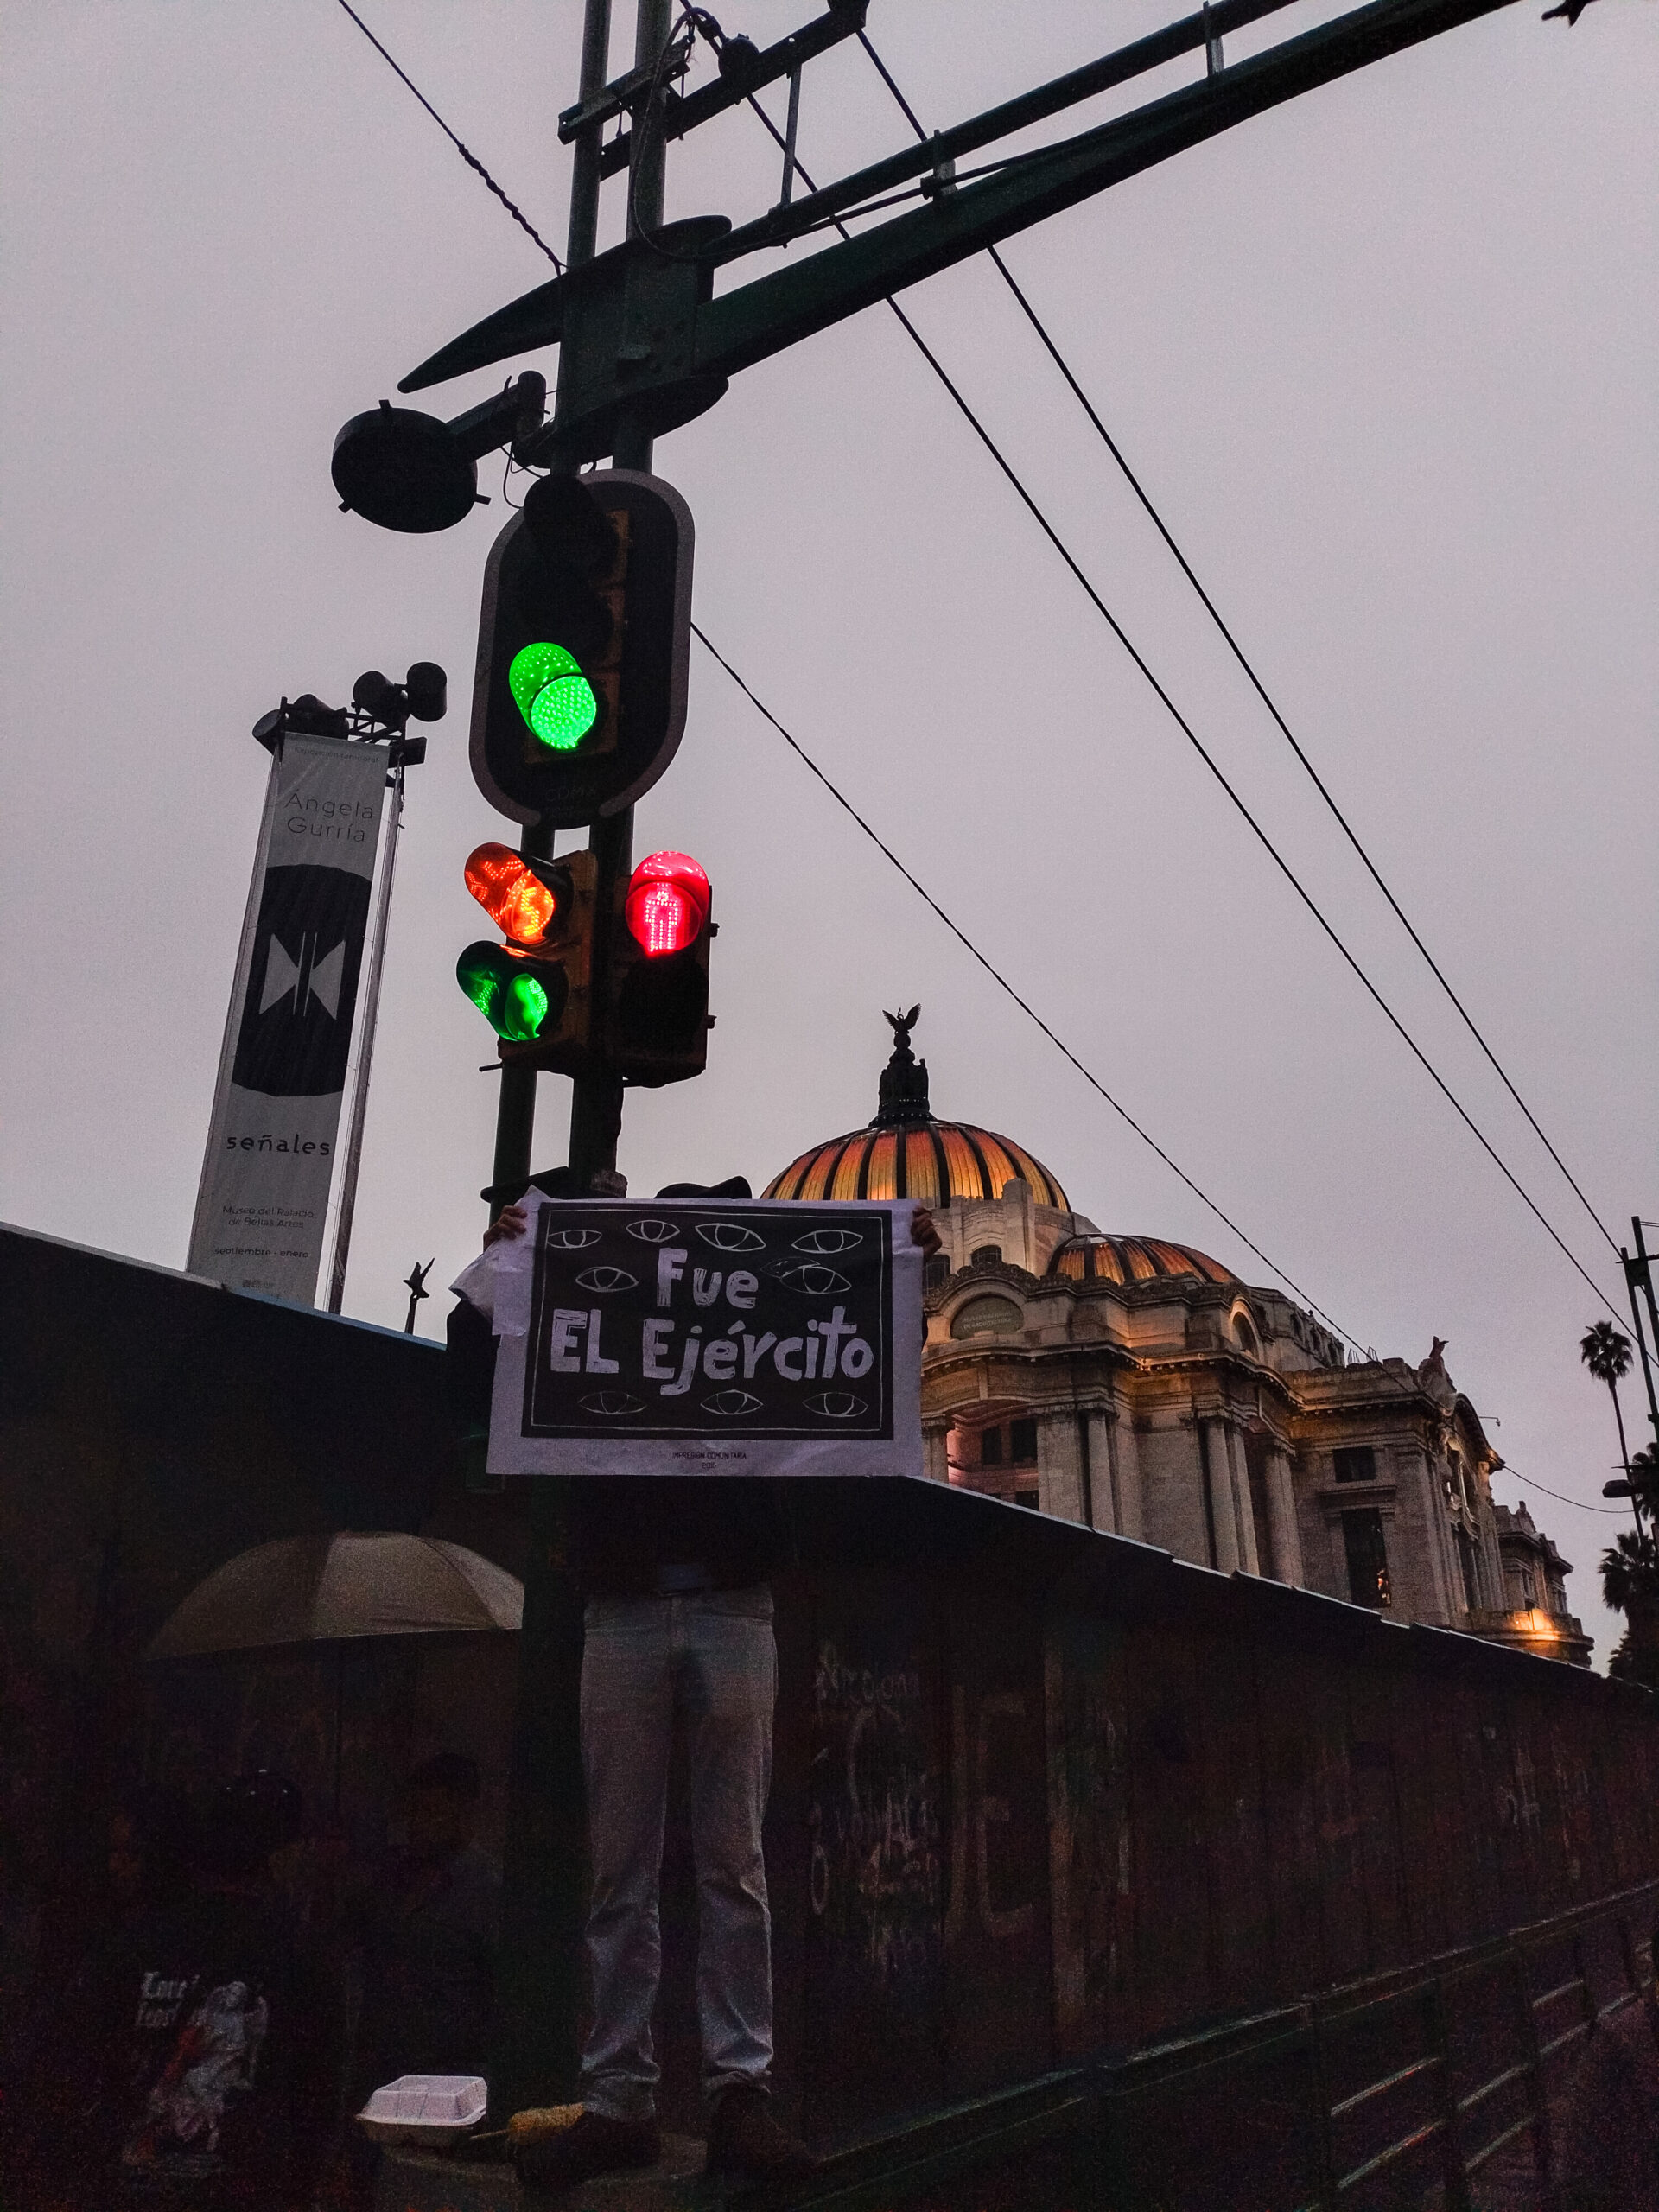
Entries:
{"x":358,"y":1108}
{"x":544,"y":1889}
{"x":1644,"y":1272}
{"x":596,"y":1098}
{"x":792,"y":127}
{"x":515,"y":1116}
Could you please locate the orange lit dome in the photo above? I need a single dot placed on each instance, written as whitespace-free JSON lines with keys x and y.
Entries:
{"x":1133,"y":1259}
{"x":905,"y":1152}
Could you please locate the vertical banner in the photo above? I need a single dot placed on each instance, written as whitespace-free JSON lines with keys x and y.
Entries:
{"x":266,"y":1181}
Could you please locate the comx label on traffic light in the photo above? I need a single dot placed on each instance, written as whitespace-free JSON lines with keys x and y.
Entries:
{"x":535,"y":990}
{"x":583,"y":644}
{"x":658,"y":1027}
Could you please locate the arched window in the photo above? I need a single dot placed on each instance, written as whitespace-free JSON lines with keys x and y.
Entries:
{"x":987,"y":1317}
{"x":1245,"y":1334}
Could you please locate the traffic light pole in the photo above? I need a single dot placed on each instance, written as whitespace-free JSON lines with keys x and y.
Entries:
{"x":596,"y":1101}
{"x":544,"y":1891}
{"x":515,"y":1118}
{"x":545,"y":1857}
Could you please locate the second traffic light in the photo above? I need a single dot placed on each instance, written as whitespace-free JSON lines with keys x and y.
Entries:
{"x":583,"y":641}
{"x":535,"y":990}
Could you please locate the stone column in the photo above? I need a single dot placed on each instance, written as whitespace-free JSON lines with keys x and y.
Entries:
{"x":1059,"y":1464}
{"x":1282,"y":1519}
{"x":935,"y":1436}
{"x":1095,"y":1427}
{"x":1491,"y":1558}
{"x":1442,"y":1572}
{"x":1238,"y":1476}
{"x":1224,"y":1512}
{"x":1122,"y":1456}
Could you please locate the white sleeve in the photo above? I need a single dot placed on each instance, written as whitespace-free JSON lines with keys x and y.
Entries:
{"x":476,"y":1282}
{"x":498,"y":1282}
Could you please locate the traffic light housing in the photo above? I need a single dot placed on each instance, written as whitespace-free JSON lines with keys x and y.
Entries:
{"x":535,"y":990}
{"x":583,"y":645}
{"x":657,"y":1030}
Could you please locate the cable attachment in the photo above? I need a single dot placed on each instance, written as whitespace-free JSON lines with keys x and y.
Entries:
{"x":940,"y":182}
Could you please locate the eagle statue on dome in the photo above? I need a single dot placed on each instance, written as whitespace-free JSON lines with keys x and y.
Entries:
{"x":901,"y":1025}
{"x":904,"y":1080}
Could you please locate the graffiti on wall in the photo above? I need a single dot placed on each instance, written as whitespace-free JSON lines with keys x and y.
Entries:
{"x":876,"y":1871}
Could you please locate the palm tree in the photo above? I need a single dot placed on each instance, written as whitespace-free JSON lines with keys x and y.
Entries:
{"x":1629,"y":1583}
{"x":1605,"y":1350}
{"x":1629,"y":1574}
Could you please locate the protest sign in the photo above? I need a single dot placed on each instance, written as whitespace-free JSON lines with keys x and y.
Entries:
{"x":679,"y":1337}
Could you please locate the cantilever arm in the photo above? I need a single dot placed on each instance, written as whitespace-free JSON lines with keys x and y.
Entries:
{"x":762,"y":318}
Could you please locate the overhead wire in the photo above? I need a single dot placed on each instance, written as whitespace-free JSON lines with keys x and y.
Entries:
{"x":518,"y":217}
{"x":466,"y":152}
{"x":1003,"y":984}
{"x":1244,"y":662}
{"x":1211,"y":764}
{"x":1578,"y":1503}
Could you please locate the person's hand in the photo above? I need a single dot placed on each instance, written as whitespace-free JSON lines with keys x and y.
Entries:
{"x":923,"y":1231}
{"x":512,"y":1220}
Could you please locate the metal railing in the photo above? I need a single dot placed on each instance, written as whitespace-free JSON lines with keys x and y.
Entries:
{"x":1286,"y":2108}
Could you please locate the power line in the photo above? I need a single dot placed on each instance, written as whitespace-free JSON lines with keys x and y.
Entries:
{"x":1240,"y":656}
{"x":914,"y":335}
{"x":1578,"y":1503}
{"x":1318,"y":781}
{"x":1212,"y":765}
{"x":996,"y":975}
{"x":466,"y":153}
{"x":1002,"y":983}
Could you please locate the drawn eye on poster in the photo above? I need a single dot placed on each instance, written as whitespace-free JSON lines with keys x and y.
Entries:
{"x":687,"y":1336}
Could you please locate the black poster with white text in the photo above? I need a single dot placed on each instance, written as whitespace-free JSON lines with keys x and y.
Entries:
{"x":681,"y":1336}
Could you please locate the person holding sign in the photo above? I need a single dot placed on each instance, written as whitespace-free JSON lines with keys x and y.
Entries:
{"x":675,"y":1569}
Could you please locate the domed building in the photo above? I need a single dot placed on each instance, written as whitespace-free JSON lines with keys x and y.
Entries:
{"x":1139,"y":1386}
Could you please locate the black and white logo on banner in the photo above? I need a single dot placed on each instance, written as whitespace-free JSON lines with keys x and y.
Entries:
{"x":296,"y":1020}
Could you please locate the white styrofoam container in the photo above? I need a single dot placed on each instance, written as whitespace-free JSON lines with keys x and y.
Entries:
{"x":426,"y":2108}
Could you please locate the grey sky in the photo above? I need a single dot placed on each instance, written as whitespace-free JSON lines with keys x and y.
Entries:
{"x":1385,"y":360}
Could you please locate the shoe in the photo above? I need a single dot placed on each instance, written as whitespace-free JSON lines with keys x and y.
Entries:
{"x":593,"y":2146}
{"x":746,"y":2144}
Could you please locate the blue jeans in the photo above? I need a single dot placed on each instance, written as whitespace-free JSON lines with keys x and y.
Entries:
{"x":710,"y":1657}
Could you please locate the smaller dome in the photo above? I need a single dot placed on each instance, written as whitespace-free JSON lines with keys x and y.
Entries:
{"x":1133,"y":1259}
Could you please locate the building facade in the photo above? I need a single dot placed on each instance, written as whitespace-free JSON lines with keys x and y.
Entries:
{"x":1138,"y":1386}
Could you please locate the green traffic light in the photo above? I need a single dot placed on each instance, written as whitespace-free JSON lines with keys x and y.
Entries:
{"x":511,"y":998}
{"x":524,"y":1008}
{"x":554,"y":696}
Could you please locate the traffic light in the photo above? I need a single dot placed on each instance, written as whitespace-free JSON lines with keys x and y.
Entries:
{"x":582,"y":649}
{"x":659,"y":1030}
{"x":534,"y":991}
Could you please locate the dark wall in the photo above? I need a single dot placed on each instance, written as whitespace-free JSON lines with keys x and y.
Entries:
{"x":1039,"y":1792}
{"x":151,"y":1427}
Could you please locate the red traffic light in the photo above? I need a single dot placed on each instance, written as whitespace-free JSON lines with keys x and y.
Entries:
{"x":667,"y":905}
{"x":515,"y":894}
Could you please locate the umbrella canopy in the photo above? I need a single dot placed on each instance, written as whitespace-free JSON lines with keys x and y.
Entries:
{"x":324,"y":1589}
